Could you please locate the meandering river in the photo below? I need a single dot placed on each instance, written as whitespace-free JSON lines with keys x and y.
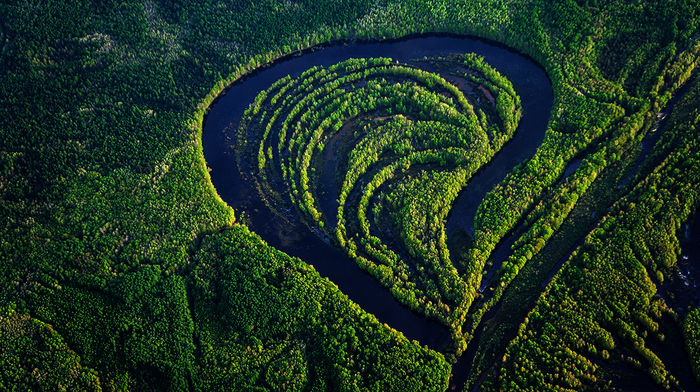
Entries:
{"x":530,"y":82}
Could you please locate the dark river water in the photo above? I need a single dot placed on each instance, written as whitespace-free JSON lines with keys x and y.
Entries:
{"x":682,"y":292}
{"x":530,"y":82}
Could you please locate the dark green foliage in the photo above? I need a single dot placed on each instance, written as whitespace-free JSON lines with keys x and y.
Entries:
{"x":306,"y":333}
{"x":633,"y":50}
{"x":138,"y":333}
{"x":691,"y":332}
{"x":33,"y":356}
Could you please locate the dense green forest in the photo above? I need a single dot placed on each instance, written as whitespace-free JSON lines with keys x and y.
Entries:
{"x":122,"y":269}
{"x":605,"y":293}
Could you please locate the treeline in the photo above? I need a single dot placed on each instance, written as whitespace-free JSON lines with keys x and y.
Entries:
{"x":614,"y":136}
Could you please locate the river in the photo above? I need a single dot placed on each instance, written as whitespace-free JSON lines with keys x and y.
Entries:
{"x":531,"y":84}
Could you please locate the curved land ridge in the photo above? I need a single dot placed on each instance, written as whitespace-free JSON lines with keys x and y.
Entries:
{"x":386,"y":148}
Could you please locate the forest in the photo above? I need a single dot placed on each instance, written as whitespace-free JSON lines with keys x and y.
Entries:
{"x":122,"y":269}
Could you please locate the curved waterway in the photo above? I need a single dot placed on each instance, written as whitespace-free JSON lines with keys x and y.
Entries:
{"x":220,"y":124}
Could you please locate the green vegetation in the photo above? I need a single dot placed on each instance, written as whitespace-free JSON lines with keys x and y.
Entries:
{"x":35,"y":357}
{"x":519,"y":296}
{"x":405,"y":142}
{"x":605,"y":293}
{"x":121,"y":269}
{"x":285,"y":328}
{"x":691,"y":332}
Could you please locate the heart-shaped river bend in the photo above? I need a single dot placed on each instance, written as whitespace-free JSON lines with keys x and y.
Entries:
{"x":377,"y":155}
